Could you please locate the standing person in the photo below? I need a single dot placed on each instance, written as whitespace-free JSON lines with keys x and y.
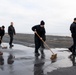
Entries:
{"x":11,"y":33}
{"x":73,"y":32}
{"x":40,"y":29}
{"x":2,"y":32}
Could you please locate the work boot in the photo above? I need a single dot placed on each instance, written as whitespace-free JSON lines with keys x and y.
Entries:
{"x":37,"y":54}
{"x":11,"y":46}
{"x":70,"y":49}
{"x":71,"y":56}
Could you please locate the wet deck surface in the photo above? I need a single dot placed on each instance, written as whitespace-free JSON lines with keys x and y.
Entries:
{"x":25,"y":63}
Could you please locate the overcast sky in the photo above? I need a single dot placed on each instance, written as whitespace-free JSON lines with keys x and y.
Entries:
{"x":57,"y":14}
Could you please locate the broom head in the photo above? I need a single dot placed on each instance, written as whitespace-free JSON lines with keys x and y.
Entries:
{"x":53,"y":57}
{"x":4,"y":47}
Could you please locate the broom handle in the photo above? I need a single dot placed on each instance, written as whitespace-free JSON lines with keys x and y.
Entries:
{"x":44,"y":42}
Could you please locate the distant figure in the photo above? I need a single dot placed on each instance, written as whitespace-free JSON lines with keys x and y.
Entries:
{"x":2,"y":32}
{"x":73,"y":32}
{"x":11,"y":33}
{"x":40,"y":29}
{"x":10,"y":59}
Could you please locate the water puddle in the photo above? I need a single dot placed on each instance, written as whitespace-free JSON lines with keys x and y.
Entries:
{"x":20,"y":60}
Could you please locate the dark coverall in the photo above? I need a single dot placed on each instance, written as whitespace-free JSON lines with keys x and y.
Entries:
{"x":2,"y":32}
{"x":11,"y":32}
{"x":38,"y":42}
{"x":73,"y":31}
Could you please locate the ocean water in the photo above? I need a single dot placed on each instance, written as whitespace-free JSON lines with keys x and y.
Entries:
{"x":58,"y":30}
{"x":59,"y":34}
{"x":53,"y":33}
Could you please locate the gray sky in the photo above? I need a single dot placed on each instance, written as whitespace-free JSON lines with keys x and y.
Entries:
{"x":57,"y":14}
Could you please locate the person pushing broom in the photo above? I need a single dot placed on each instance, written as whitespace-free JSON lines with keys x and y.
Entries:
{"x":40,"y":30}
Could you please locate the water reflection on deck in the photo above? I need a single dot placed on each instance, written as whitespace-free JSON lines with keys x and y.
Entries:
{"x":23,"y":62}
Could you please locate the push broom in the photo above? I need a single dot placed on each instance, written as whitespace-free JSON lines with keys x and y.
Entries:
{"x":54,"y":56}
